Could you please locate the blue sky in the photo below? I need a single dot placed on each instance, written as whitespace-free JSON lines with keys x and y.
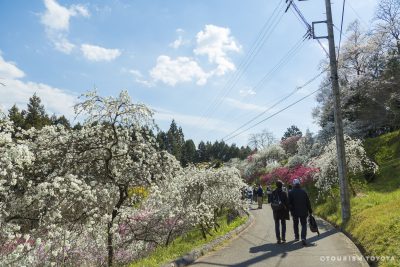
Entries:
{"x":178,"y":57}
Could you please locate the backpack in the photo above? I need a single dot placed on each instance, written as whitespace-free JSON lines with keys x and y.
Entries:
{"x":276,"y":203}
{"x":313,"y":224}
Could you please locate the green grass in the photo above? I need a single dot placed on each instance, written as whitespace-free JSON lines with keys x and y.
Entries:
{"x":375,"y":220}
{"x":186,"y":243}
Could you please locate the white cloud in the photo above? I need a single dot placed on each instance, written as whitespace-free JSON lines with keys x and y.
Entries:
{"x":174,"y":71}
{"x":18,"y":92}
{"x":180,"y":41}
{"x":56,"y":20}
{"x":246,"y":92}
{"x":244,"y":106}
{"x":216,"y":42}
{"x":62,"y":44}
{"x":57,"y":16}
{"x":140,"y":79}
{"x":97,"y":53}
{"x":9,"y":70}
{"x":177,"y":43}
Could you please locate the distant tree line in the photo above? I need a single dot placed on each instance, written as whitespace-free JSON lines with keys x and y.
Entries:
{"x":186,"y":152}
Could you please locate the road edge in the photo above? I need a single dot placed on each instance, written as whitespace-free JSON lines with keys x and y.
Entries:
{"x":192,"y":256}
{"x":360,"y":248}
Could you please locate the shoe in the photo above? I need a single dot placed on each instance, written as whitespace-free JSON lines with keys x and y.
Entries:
{"x":296,"y":239}
{"x":304,"y":242}
{"x":283,"y":240}
{"x":278,"y":242}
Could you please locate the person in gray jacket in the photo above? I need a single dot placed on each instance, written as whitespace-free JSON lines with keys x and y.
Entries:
{"x":300,"y":208}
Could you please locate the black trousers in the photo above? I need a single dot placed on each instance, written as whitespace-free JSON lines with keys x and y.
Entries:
{"x":303,"y":221}
{"x":277,"y":230}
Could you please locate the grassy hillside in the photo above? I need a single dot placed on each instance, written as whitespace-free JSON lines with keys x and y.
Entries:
{"x":375,"y":221}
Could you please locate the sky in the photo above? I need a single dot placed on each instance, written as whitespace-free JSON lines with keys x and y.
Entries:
{"x":203,"y":63}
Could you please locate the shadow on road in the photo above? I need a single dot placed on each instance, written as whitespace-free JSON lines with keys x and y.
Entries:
{"x":273,"y":250}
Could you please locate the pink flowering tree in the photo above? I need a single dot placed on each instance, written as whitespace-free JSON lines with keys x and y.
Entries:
{"x":287,"y":175}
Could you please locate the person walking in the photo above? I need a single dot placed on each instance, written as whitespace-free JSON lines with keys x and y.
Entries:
{"x":255,"y":194}
{"x":250,"y":194}
{"x":269,"y":192}
{"x":300,"y":207}
{"x":280,"y":208}
{"x":290,"y":187}
{"x":260,"y":193}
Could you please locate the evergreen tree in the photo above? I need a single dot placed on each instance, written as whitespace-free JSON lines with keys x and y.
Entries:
{"x":188,"y":153}
{"x":244,"y":152}
{"x":16,"y":117}
{"x":162,"y":140}
{"x":63,"y":121}
{"x":175,"y":140}
{"x":292,"y":131}
{"x":77,"y":126}
{"x":36,"y":115}
{"x":208,"y":154}
{"x":201,"y":153}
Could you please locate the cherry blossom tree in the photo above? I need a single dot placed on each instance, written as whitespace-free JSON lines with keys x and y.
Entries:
{"x":356,"y":160}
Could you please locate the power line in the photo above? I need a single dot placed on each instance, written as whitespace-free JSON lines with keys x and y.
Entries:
{"x":285,"y":59}
{"x":341,"y":28}
{"x":282,"y":62}
{"x":229,"y":136}
{"x":263,"y":35}
{"x":299,"y":15}
{"x":358,"y":16}
{"x":235,"y":81}
{"x":273,"y":115}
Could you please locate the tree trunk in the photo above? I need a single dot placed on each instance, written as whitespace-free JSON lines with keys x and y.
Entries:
{"x":110,"y":247}
{"x":122,"y":196}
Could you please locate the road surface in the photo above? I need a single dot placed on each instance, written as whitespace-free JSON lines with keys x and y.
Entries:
{"x":256,"y":246}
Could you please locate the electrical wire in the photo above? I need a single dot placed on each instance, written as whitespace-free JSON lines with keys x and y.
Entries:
{"x":229,"y":136}
{"x":263,"y":35}
{"x":299,"y":15}
{"x":273,"y":115}
{"x":282,"y":62}
{"x":341,"y":29}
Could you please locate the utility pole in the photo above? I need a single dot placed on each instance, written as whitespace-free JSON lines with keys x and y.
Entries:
{"x":341,"y":154}
{"x":340,"y":146}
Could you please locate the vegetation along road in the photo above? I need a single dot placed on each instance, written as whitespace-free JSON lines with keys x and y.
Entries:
{"x":257,"y":247}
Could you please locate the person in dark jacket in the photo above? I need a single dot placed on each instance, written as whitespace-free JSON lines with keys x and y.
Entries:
{"x":269,"y":192}
{"x":260,"y":193}
{"x":300,"y":208}
{"x":255,"y":194}
{"x":281,"y":215}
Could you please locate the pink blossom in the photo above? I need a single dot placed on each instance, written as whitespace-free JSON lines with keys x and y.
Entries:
{"x":287,"y":175}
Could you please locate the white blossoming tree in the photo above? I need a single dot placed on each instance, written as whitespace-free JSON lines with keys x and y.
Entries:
{"x":101,"y":194}
{"x":356,"y":160}
{"x":197,"y":197}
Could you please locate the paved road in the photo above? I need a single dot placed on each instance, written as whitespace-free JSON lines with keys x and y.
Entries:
{"x":257,"y":246}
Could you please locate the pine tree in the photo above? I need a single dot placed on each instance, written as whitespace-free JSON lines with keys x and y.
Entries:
{"x":175,"y":140}
{"x":77,"y":126}
{"x":63,"y":121}
{"x":201,"y":152}
{"x":36,"y":115}
{"x":188,"y":153}
{"x":162,"y":140}
{"x":292,"y":131}
{"x":16,"y":117}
